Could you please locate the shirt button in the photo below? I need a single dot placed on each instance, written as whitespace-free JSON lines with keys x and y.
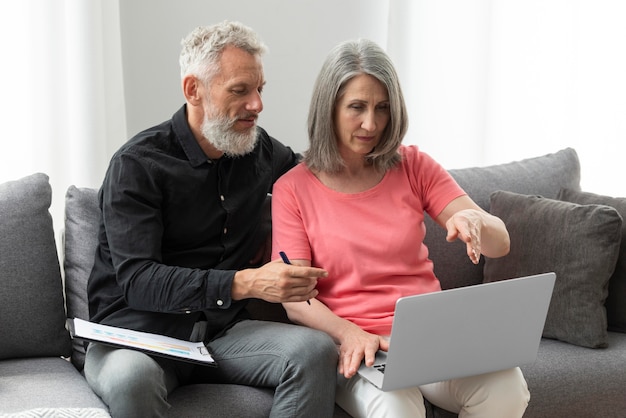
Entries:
{"x":225,"y":231}
{"x":222,"y":197}
{"x":220,"y":302}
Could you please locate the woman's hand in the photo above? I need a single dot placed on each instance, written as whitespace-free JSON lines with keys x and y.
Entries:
{"x":482,"y":232}
{"x":356,"y":345}
{"x":466,"y":225}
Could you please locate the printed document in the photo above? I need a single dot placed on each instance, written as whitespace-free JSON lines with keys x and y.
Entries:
{"x":195,"y":352}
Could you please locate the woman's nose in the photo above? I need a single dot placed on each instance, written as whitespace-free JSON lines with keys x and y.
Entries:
{"x":369,"y":121}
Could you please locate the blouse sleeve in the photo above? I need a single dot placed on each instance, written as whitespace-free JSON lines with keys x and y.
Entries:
{"x":436,"y":187}
{"x":288,"y":230}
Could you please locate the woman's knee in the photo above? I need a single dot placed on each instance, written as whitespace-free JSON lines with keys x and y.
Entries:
{"x":362,"y":399}
{"x":514,"y":387}
{"x":503,"y":392}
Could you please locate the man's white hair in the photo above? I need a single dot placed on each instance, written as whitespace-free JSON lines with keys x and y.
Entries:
{"x":202,"y":48}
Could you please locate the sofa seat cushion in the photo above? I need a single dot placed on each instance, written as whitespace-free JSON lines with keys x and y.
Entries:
{"x":59,"y":413}
{"x":580,"y":243}
{"x":44,"y":382}
{"x":219,"y":401}
{"x":572,"y":381}
{"x":32,"y":312}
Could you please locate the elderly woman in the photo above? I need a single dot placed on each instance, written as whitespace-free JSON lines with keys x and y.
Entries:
{"x":355,"y":206}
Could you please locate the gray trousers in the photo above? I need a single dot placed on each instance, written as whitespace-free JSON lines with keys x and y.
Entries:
{"x":299,"y":362}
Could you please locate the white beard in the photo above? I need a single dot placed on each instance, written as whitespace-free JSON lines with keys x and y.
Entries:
{"x":220,"y":133}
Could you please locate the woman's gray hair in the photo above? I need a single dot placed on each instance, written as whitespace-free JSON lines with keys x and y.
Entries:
{"x":203,"y":47}
{"x":345,"y":61}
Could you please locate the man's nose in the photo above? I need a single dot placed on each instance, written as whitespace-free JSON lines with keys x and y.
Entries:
{"x":255,"y":104}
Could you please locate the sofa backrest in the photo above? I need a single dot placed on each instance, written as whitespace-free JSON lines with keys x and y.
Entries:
{"x":544,"y":176}
{"x":32,"y":314}
{"x":82,"y":215}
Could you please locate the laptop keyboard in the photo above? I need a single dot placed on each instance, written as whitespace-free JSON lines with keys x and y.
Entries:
{"x":380,"y":367}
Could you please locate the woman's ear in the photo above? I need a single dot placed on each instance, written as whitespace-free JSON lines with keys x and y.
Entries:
{"x":192,"y":90}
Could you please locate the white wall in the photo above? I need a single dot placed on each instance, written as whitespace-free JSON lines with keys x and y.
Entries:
{"x":485,"y":82}
{"x":299,"y":34}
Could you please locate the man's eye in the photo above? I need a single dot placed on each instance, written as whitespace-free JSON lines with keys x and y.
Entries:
{"x":239,"y":92}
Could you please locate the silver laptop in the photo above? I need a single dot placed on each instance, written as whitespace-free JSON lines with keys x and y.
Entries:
{"x":463,"y":332}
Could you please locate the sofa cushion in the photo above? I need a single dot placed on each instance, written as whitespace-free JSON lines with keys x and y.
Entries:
{"x":571,"y":381}
{"x":220,"y":401}
{"x":216,"y":401}
{"x":544,"y":175}
{"x":580,"y":243}
{"x":37,"y":385}
{"x":82,"y":215}
{"x":59,"y":413}
{"x":32,"y":312}
{"x":616,"y":300}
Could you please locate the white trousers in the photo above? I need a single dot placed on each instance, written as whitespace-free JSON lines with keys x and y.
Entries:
{"x":499,"y":394}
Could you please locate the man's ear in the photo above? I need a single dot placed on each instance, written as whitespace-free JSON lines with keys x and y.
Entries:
{"x":192,"y":90}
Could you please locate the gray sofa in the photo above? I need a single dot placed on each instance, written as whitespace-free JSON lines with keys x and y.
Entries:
{"x":581,"y":365}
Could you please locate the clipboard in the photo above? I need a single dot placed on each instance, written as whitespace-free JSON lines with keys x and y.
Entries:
{"x":160,"y":345}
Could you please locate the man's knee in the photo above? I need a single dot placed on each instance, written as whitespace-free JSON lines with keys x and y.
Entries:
{"x":312,"y":347}
{"x":128,"y":381}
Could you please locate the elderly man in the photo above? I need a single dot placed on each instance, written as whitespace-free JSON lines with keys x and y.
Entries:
{"x":181,"y":212}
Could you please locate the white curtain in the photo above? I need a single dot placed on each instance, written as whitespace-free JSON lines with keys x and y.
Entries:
{"x":62,"y":104}
{"x":486,"y":82}
{"x":491,"y":81}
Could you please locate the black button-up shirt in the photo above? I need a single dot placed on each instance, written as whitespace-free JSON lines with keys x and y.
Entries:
{"x":175,"y":227}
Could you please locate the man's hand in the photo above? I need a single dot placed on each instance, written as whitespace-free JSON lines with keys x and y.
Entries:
{"x":277,"y":282}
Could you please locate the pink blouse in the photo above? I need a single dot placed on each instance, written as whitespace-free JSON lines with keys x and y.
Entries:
{"x":371,"y":243}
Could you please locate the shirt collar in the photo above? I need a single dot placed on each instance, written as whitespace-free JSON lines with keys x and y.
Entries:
{"x":187,"y":141}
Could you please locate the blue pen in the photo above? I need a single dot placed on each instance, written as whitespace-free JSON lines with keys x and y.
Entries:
{"x":286,"y":261}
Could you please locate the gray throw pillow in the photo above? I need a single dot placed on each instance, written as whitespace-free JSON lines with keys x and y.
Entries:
{"x":32,"y":312}
{"x":616,"y":301}
{"x":82,"y":216}
{"x":544,"y":175}
{"x":580,"y":243}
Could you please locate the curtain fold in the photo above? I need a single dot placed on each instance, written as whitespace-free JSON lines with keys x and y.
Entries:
{"x":62,"y":101}
{"x":486,"y":82}
{"x":441,"y":52}
{"x":492,"y":81}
